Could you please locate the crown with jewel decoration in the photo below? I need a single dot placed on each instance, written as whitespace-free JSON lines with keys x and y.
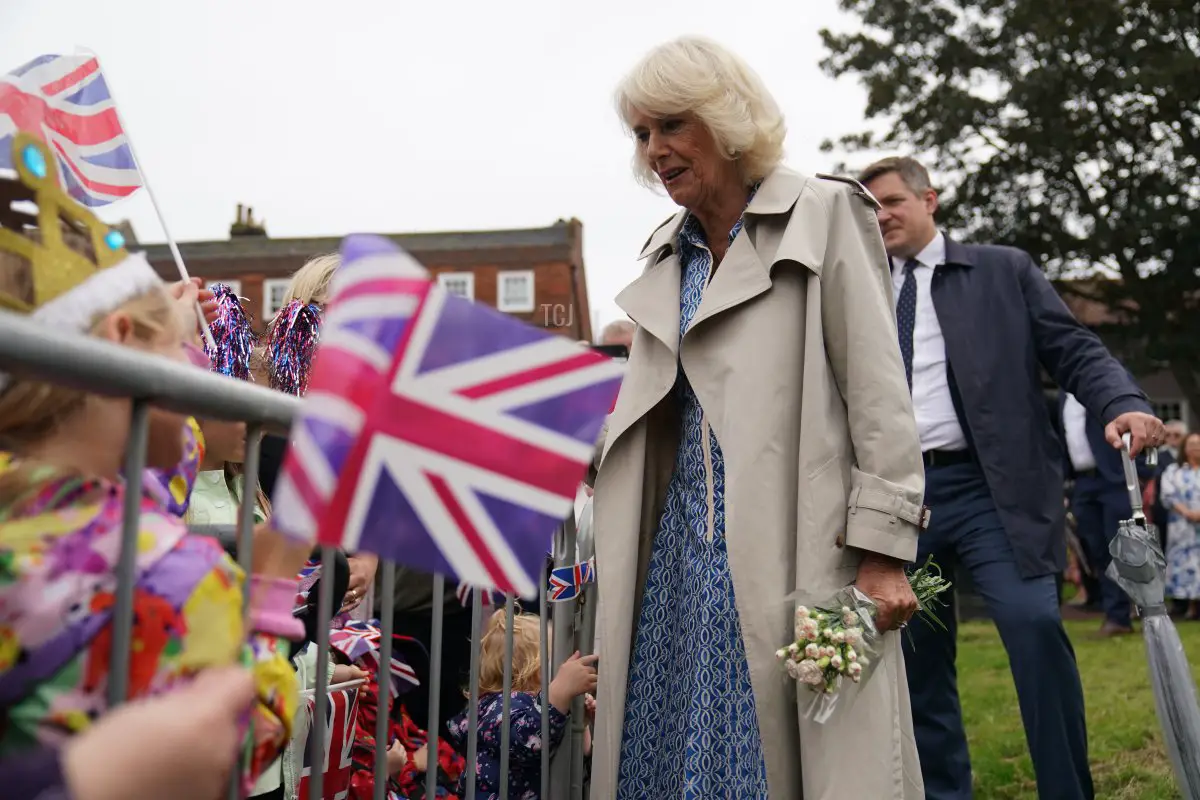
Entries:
{"x":69,"y":288}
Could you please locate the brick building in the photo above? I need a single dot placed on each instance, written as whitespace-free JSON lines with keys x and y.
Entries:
{"x":535,"y":274}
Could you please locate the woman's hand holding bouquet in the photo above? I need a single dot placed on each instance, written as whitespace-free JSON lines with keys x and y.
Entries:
{"x":839,"y":640}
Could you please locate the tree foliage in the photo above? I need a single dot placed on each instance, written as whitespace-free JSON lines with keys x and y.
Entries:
{"x":1068,"y":128}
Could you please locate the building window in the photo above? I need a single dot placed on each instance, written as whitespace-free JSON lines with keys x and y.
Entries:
{"x":274,"y":290}
{"x":1167,"y":410}
{"x":235,"y":286}
{"x":514,"y":294}
{"x":461,"y":284}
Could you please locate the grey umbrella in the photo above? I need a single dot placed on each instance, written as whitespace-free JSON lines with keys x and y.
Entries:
{"x":1138,"y":567}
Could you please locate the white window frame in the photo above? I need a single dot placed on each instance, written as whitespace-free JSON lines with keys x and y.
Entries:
{"x":268,"y":286}
{"x":515,"y":308}
{"x":234,"y":285}
{"x":468,"y":277}
{"x":1184,"y":411}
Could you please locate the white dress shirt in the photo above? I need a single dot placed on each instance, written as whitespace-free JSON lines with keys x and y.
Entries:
{"x":1075,"y":428}
{"x":937,"y":423}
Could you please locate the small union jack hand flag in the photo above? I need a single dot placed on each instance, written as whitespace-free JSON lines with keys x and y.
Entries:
{"x":567,"y":582}
{"x":466,"y":595}
{"x":64,"y":101}
{"x":437,"y":432}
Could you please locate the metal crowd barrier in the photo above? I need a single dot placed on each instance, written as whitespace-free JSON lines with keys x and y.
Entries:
{"x":28,"y":349}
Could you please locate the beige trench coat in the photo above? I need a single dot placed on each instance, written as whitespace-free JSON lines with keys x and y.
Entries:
{"x":793,"y":356}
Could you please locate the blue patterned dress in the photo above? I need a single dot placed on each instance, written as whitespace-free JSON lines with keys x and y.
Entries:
{"x":691,"y":729}
{"x":1181,"y":484}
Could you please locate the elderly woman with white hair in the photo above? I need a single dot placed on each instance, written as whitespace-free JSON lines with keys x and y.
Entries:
{"x":762,"y":449}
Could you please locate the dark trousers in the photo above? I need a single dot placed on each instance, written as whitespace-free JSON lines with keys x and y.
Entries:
{"x":1099,"y":506}
{"x":965,"y":531}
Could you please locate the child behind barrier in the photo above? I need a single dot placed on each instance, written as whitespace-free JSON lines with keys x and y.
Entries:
{"x":62,"y":500}
{"x":577,"y":676}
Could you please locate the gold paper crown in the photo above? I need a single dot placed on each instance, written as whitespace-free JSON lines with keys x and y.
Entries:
{"x":56,"y":268}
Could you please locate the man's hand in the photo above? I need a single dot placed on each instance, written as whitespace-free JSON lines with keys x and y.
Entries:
{"x":1146,"y":430}
{"x":883,"y":580}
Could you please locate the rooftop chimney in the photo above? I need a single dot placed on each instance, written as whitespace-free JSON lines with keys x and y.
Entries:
{"x":244,"y":224}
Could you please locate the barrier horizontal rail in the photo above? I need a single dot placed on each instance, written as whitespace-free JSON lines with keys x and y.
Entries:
{"x":82,"y":362}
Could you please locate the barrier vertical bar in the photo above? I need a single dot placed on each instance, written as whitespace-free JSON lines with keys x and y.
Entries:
{"x":564,"y":646}
{"x":544,"y":655}
{"x":316,"y":753}
{"x":122,"y":621}
{"x":246,"y":509}
{"x":506,"y":702}
{"x":383,"y":714}
{"x":245,"y":548}
{"x":435,"y":684}
{"x":473,"y":709}
{"x":577,"y":713}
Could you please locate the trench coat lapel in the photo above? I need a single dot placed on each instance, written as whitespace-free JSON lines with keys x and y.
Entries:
{"x":742,"y":275}
{"x":652,"y":302}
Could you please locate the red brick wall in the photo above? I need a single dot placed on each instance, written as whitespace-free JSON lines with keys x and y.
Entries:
{"x":560,"y":296}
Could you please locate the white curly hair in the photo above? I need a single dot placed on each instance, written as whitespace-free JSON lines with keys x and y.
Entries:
{"x":696,"y":75}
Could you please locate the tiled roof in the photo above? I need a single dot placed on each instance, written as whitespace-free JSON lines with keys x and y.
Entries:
{"x":556,"y":236}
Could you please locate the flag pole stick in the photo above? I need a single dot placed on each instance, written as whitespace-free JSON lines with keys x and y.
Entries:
{"x":137,"y":162}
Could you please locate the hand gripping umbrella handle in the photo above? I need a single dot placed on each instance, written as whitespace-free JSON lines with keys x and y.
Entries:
{"x":1131,"y":479}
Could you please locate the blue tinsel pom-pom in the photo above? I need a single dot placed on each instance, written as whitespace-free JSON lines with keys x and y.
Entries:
{"x":232,"y":334}
{"x":292,"y":342}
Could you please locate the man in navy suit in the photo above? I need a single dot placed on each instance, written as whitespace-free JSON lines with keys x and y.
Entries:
{"x":975,"y":322}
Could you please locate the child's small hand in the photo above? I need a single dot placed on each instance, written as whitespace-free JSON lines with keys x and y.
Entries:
{"x":343,"y":673}
{"x":576,"y":676}
{"x":420,"y":758}
{"x":397,"y":757}
{"x":589,"y":707}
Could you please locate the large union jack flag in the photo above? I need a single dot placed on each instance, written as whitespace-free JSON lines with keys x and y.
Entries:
{"x":64,"y":101}
{"x":438,"y":432}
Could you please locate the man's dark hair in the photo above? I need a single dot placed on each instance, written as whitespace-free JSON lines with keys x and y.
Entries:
{"x":915,"y":176}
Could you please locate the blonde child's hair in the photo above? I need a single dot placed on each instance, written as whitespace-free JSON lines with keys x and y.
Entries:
{"x":310,"y":283}
{"x":30,"y":410}
{"x":526,"y":655}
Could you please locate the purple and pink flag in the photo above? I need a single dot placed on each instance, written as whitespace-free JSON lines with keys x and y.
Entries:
{"x":437,"y":432}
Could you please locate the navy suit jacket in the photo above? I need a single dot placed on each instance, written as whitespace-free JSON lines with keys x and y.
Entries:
{"x":1001,"y":319}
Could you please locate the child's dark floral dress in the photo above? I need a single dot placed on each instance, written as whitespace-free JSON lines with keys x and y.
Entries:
{"x":525,"y":739}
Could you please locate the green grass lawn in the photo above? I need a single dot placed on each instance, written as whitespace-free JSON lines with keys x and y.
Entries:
{"x":1124,"y":738}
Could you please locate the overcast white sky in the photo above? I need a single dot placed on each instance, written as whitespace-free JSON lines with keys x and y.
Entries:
{"x":372,"y":116}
